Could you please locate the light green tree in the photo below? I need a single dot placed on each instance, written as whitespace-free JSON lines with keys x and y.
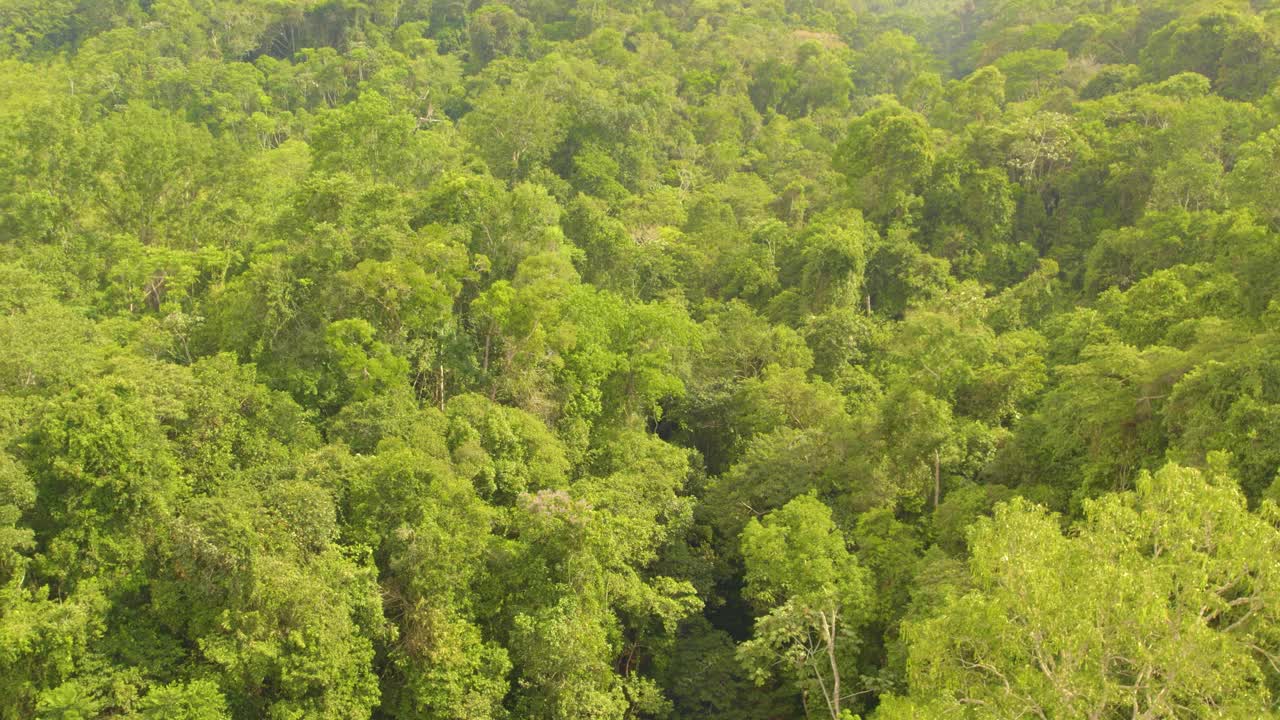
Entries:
{"x":815,"y":595}
{"x":1160,"y":603}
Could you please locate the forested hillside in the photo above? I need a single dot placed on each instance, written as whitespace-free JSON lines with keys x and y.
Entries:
{"x":639,"y":359}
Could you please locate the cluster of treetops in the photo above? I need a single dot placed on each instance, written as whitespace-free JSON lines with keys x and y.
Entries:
{"x":639,"y":359}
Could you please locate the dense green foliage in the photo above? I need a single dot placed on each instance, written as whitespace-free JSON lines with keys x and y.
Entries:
{"x":714,"y":359}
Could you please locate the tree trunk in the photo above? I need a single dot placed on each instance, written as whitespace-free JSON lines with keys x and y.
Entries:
{"x":937,"y":478}
{"x":829,"y":631}
{"x":441,"y":386}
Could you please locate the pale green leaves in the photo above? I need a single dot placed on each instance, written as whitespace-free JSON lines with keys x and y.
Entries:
{"x":1162,"y":601}
{"x":815,"y":594}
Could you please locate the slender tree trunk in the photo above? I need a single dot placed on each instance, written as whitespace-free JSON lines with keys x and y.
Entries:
{"x":835,"y":678}
{"x":829,"y":631}
{"x":441,"y":386}
{"x":937,"y":478}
